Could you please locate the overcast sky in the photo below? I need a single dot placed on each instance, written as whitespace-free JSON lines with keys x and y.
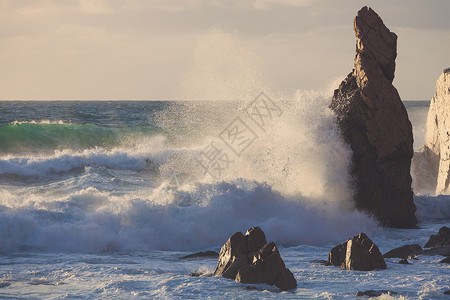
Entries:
{"x":164,"y":49}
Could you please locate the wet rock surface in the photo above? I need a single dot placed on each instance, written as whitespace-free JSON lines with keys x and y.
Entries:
{"x":373,"y":293}
{"x":374,"y":122}
{"x":250,"y":259}
{"x":358,"y":253}
{"x":442,"y":238}
{"x":407,"y":251}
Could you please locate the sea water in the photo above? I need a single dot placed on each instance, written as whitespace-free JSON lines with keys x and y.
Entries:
{"x":101,"y":199}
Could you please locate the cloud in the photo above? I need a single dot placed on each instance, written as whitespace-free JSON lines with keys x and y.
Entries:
{"x":97,"y":7}
{"x":268,"y":4}
{"x":297,"y":43}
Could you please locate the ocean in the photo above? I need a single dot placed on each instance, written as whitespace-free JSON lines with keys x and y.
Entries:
{"x":100,"y":199}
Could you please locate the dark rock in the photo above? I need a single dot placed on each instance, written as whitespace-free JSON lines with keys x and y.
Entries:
{"x":445,"y":260}
{"x":407,"y":251}
{"x":358,"y":253}
{"x":443,"y":251}
{"x":268,"y":267}
{"x":196,"y":274}
{"x":373,"y":293}
{"x":374,"y":122}
{"x":404,"y":262}
{"x":232,"y":257}
{"x":440,"y":239}
{"x":447,"y":292}
{"x":337,"y":255}
{"x":4,"y":284}
{"x":250,"y":259}
{"x":320,"y":261}
{"x":201,"y":254}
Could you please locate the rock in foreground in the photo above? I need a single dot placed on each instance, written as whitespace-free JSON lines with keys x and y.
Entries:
{"x":250,"y":259}
{"x":358,"y":253}
{"x":407,"y":251}
{"x":440,"y":239}
{"x":374,"y":122}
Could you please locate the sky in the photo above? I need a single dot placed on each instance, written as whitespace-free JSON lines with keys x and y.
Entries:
{"x":193,"y":49}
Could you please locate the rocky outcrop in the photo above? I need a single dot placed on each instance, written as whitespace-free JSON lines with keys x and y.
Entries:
{"x":440,"y":239}
{"x":374,"y":122}
{"x":407,"y":251}
{"x":250,"y":259}
{"x":431,"y":166}
{"x":358,"y":253}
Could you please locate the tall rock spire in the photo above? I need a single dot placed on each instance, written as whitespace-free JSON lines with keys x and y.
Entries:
{"x":374,"y":122}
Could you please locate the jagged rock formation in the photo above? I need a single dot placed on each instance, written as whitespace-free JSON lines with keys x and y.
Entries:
{"x":432,"y":164}
{"x":358,"y":253}
{"x":250,"y":259}
{"x":442,"y":238}
{"x":374,"y":122}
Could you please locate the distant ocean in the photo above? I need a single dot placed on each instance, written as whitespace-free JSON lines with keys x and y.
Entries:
{"x":100,"y":199}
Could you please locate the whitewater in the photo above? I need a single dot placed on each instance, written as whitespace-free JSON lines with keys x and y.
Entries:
{"x":100,"y":199}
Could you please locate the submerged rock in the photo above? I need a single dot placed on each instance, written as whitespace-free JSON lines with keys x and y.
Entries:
{"x":431,"y":167}
{"x":207,"y":254}
{"x":373,"y":293}
{"x":407,"y":251}
{"x":440,"y":239}
{"x":320,"y":261}
{"x":374,"y":122}
{"x":250,"y":259}
{"x":443,"y":251}
{"x":404,"y":262}
{"x":358,"y":253}
{"x":445,"y":261}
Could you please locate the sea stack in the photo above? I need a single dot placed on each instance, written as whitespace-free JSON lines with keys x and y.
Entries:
{"x":436,"y":151}
{"x":374,"y":122}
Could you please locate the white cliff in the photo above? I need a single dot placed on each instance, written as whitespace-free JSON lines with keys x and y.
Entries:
{"x":435,"y":157}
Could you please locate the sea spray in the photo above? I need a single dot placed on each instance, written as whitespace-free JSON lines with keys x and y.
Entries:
{"x":89,"y":220}
{"x":146,"y":189}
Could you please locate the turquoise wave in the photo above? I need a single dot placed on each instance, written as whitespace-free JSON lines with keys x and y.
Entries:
{"x":39,"y":137}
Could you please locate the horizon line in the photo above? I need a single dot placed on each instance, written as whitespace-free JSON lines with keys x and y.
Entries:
{"x":143,"y":100}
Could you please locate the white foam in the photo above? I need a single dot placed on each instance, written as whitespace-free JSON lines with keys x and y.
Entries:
{"x":121,"y":158}
{"x":432,"y":208}
{"x":90,"y":220}
{"x":44,"y":121}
